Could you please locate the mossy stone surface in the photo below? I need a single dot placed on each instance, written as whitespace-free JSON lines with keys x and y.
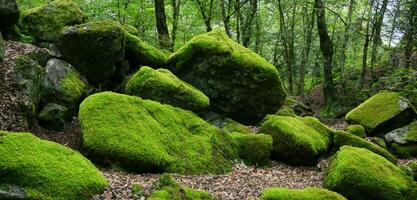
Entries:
{"x":294,"y":142}
{"x":93,"y":48}
{"x":382,"y":113}
{"x":230,"y":126}
{"x":146,"y":136}
{"x":9,"y":14}
{"x":163,"y":86}
{"x":240,"y":84}
{"x":140,"y":53}
{"x":357,"y":173}
{"x":300,"y":194}
{"x":285,"y":111}
{"x":45,"y":22}
{"x":404,"y":151}
{"x":54,"y":116}
{"x":342,"y":138}
{"x":357,"y":130}
{"x":46,"y":170}
{"x":254,"y":149}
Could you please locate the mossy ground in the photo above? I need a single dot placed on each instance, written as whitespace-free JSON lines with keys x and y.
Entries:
{"x":146,"y":136}
{"x":163,"y":86}
{"x":300,"y":194}
{"x":47,"y":170}
{"x":358,"y":173}
{"x":253,"y":148}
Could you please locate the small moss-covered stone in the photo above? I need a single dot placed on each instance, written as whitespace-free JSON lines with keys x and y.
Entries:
{"x":298,"y":107}
{"x":46,"y":170}
{"x":294,"y":141}
{"x":286,"y":112}
{"x":93,"y":48}
{"x":240,"y":84}
{"x":253,"y":148}
{"x":358,"y":173}
{"x":9,"y":14}
{"x":146,"y":136}
{"x":168,"y":189}
{"x":54,"y":116}
{"x":45,"y":22}
{"x":163,"y":86}
{"x":62,"y":84}
{"x":231,"y":126}
{"x":382,"y":113}
{"x":379,"y":141}
{"x":357,"y":130}
{"x":141,"y":53}
{"x":342,"y":138}
{"x":300,"y":194}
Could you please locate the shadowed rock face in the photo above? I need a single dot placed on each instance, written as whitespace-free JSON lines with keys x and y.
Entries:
{"x":9,"y":13}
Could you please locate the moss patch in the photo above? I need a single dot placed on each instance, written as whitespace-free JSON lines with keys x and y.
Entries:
{"x":146,"y":136}
{"x":294,"y":142}
{"x":163,"y":86}
{"x":54,"y":116}
{"x":46,"y":170}
{"x":141,"y":53}
{"x":358,"y":173}
{"x":253,"y":148}
{"x":240,"y":84}
{"x":300,"y":194}
{"x":357,"y":130}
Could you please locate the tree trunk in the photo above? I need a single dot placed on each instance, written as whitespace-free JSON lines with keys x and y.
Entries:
{"x":376,"y":42}
{"x":364,"y":81}
{"x":308,"y":32}
{"x":345,"y":44}
{"x":161,"y":25}
{"x":247,"y":28}
{"x":226,"y":17}
{"x":410,"y":32}
{"x":176,"y":4}
{"x":206,"y":15}
{"x":394,"y":21}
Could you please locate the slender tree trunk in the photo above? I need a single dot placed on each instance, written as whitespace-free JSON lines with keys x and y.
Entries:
{"x":238,"y":18}
{"x":206,"y":15}
{"x":247,"y":28}
{"x":376,"y":42}
{"x":161,"y":24}
{"x":258,"y":34}
{"x":176,"y":4}
{"x":345,"y":44}
{"x":394,"y":21}
{"x":410,"y":32}
{"x":326,"y":47}
{"x":364,"y":81}
{"x":226,"y":17}
{"x":307,"y":46}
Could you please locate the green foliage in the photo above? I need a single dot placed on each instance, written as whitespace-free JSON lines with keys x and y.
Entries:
{"x":342,"y":138}
{"x":357,"y":173}
{"x":357,"y":130}
{"x":300,"y":194}
{"x":253,"y":148}
{"x":146,"y":136}
{"x":47,"y":170}
{"x":294,"y":141}
{"x":141,"y":53}
{"x":163,"y":86}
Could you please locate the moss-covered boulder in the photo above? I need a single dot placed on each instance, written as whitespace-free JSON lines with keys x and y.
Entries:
{"x":357,"y":130}
{"x":163,"y":86}
{"x":93,"y":48}
{"x":230,"y":126}
{"x":294,"y":142}
{"x":240,"y":84}
{"x":382,"y":113}
{"x":298,"y":107}
{"x":168,"y":189}
{"x":300,"y":194}
{"x":403,"y":141}
{"x":146,"y":136}
{"x":141,"y":53}
{"x":342,"y":138}
{"x":412,"y":169}
{"x":46,"y":170}
{"x":9,"y":14}
{"x":62,"y":84}
{"x":253,"y":148}
{"x":54,"y":116}
{"x":285,"y":111}
{"x":358,"y":173}
{"x":46,"y":22}
{"x":379,"y":141}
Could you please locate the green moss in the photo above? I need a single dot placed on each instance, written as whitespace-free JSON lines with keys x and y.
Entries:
{"x":141,"y":53}
{"x":130,"y":29}
{"x":54,"y":117}
{"x":137,"y":189}
{"x":342,"y":138}
{"x":168,"y":189}
{"x":93,"y":48}
{"x":72,"y":87}
{"x":378,"y":109}
{"x":146,"y":136}
{"x":46,"y":22}
{"x":357,"y":130}
{"x":286,"y":112}
{"x":294,"y":141}
{"x":163,"y":86}
{"x":46,"y":170}
{"x":231,"y":126}
{"x":404,"y":151}
{"x":241,"y":84}
{"x":253,"y":148}
{"x":300,"y":194}
{"x":358,"y":173}
{"x":379,"y":141}
{"x":412,"y":169}
{"x":411,"y":134}
{"x":321,"y":128}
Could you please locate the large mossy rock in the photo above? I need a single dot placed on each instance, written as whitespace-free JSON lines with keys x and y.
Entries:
{"x":163,"y":86}
{"x":46,"y":170}
{"x":62,"y":84}
{"x":254,"y":149}
{"x":403,"y":141}
{"x":9,"y":14}
{"x":382,"y":113}
{"x":93,"y":48}
{"x":240,"y":84}
{"x":357,"y":130}
{"x":294,"y":141}
{"x":146,"y":136}
{"x":300,"y":194}
{"x":141,"y":53}
{"x":168,"y":189}
{"x":358,"y":173}
{"x":341,"y":138}
{"x":46,"y":22}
